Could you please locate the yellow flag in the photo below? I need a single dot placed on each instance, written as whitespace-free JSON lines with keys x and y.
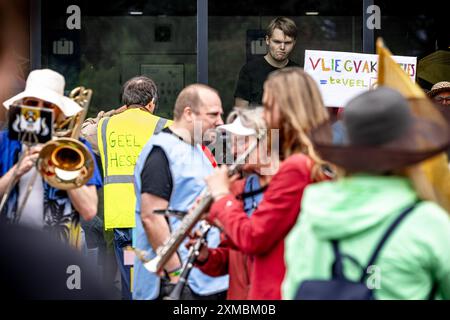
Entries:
{"x":391,"y":75}
{"x":436,"y":169}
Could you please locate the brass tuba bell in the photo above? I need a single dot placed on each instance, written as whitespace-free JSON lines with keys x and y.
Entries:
{"x":66,"y":163}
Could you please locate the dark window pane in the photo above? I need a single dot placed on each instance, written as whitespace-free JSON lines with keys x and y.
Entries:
{"x":415,"y":30}
{"x":119,"y":40}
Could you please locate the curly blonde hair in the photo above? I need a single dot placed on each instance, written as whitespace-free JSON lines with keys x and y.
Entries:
{"x":251,"y":117}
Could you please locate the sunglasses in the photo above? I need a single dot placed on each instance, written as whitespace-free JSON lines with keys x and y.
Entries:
{"x":38,"y":103}
{"x":33,"y":102}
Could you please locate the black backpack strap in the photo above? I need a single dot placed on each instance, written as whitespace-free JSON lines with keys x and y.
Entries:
{"x":337,"y":268}
{"x":433,"y":292}
{"x":385,"y":237}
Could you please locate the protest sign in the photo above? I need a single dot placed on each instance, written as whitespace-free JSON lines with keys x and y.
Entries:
{"x":343,"y":75}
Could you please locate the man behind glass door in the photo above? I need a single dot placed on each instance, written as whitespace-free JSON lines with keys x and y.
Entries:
{"x":280,"y":38}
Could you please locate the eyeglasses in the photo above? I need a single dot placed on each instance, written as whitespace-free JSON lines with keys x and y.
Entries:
{"x":33,"y":102}
{"x":440,"y":99}
{"x":38,"y":103}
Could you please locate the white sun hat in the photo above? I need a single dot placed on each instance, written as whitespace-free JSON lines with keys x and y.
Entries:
{"x":237,"y":128}
{"x":47,"y":85}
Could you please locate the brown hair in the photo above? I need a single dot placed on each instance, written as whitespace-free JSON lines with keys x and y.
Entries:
{"x":301,"y":110}
{"x":140,"y":90}
{"x":190,"y":97}
{"x":286,"y":25}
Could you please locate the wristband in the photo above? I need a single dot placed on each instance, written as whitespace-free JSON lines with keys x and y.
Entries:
{"x":175,"y":273}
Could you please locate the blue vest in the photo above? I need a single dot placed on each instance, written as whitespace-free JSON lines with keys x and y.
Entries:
{"x":188,"y":166}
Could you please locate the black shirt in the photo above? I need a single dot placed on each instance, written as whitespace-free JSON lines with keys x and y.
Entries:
{"x":155,"y":176}
{"x":251,"y":79}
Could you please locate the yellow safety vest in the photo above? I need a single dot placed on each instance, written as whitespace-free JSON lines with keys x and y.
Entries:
{"x":120,"y":141}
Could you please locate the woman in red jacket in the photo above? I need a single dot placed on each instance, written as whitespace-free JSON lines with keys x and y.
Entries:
{"x":293,"y":105}
{"x":242,"y":125}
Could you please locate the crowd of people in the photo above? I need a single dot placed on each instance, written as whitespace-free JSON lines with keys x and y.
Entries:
{"x":313,"y":212}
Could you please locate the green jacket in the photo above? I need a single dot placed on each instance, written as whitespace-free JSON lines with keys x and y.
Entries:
{"x":358,"y":210}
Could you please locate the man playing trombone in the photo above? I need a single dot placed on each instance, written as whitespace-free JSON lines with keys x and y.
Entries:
{"x":170,"y":174}
{"x":39,"y":204}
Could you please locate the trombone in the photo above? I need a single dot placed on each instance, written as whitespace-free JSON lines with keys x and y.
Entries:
{"x":64,"y":163}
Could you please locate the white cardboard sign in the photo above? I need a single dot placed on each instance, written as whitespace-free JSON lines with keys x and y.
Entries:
{"x":343,"y":75}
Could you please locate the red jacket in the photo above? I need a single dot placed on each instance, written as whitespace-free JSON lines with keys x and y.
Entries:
{"x":262,"y":235}
{"x":226,"y":259}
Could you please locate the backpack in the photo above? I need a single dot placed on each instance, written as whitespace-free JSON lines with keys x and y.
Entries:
{"x":341,"y":288}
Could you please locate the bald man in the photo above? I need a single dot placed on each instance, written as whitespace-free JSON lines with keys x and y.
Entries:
{"x":170,"y":173}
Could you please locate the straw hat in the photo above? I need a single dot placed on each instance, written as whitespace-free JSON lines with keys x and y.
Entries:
{"x":438,"y":88}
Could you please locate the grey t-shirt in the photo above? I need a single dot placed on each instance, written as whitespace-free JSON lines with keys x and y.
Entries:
{"x":33,"y":212}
